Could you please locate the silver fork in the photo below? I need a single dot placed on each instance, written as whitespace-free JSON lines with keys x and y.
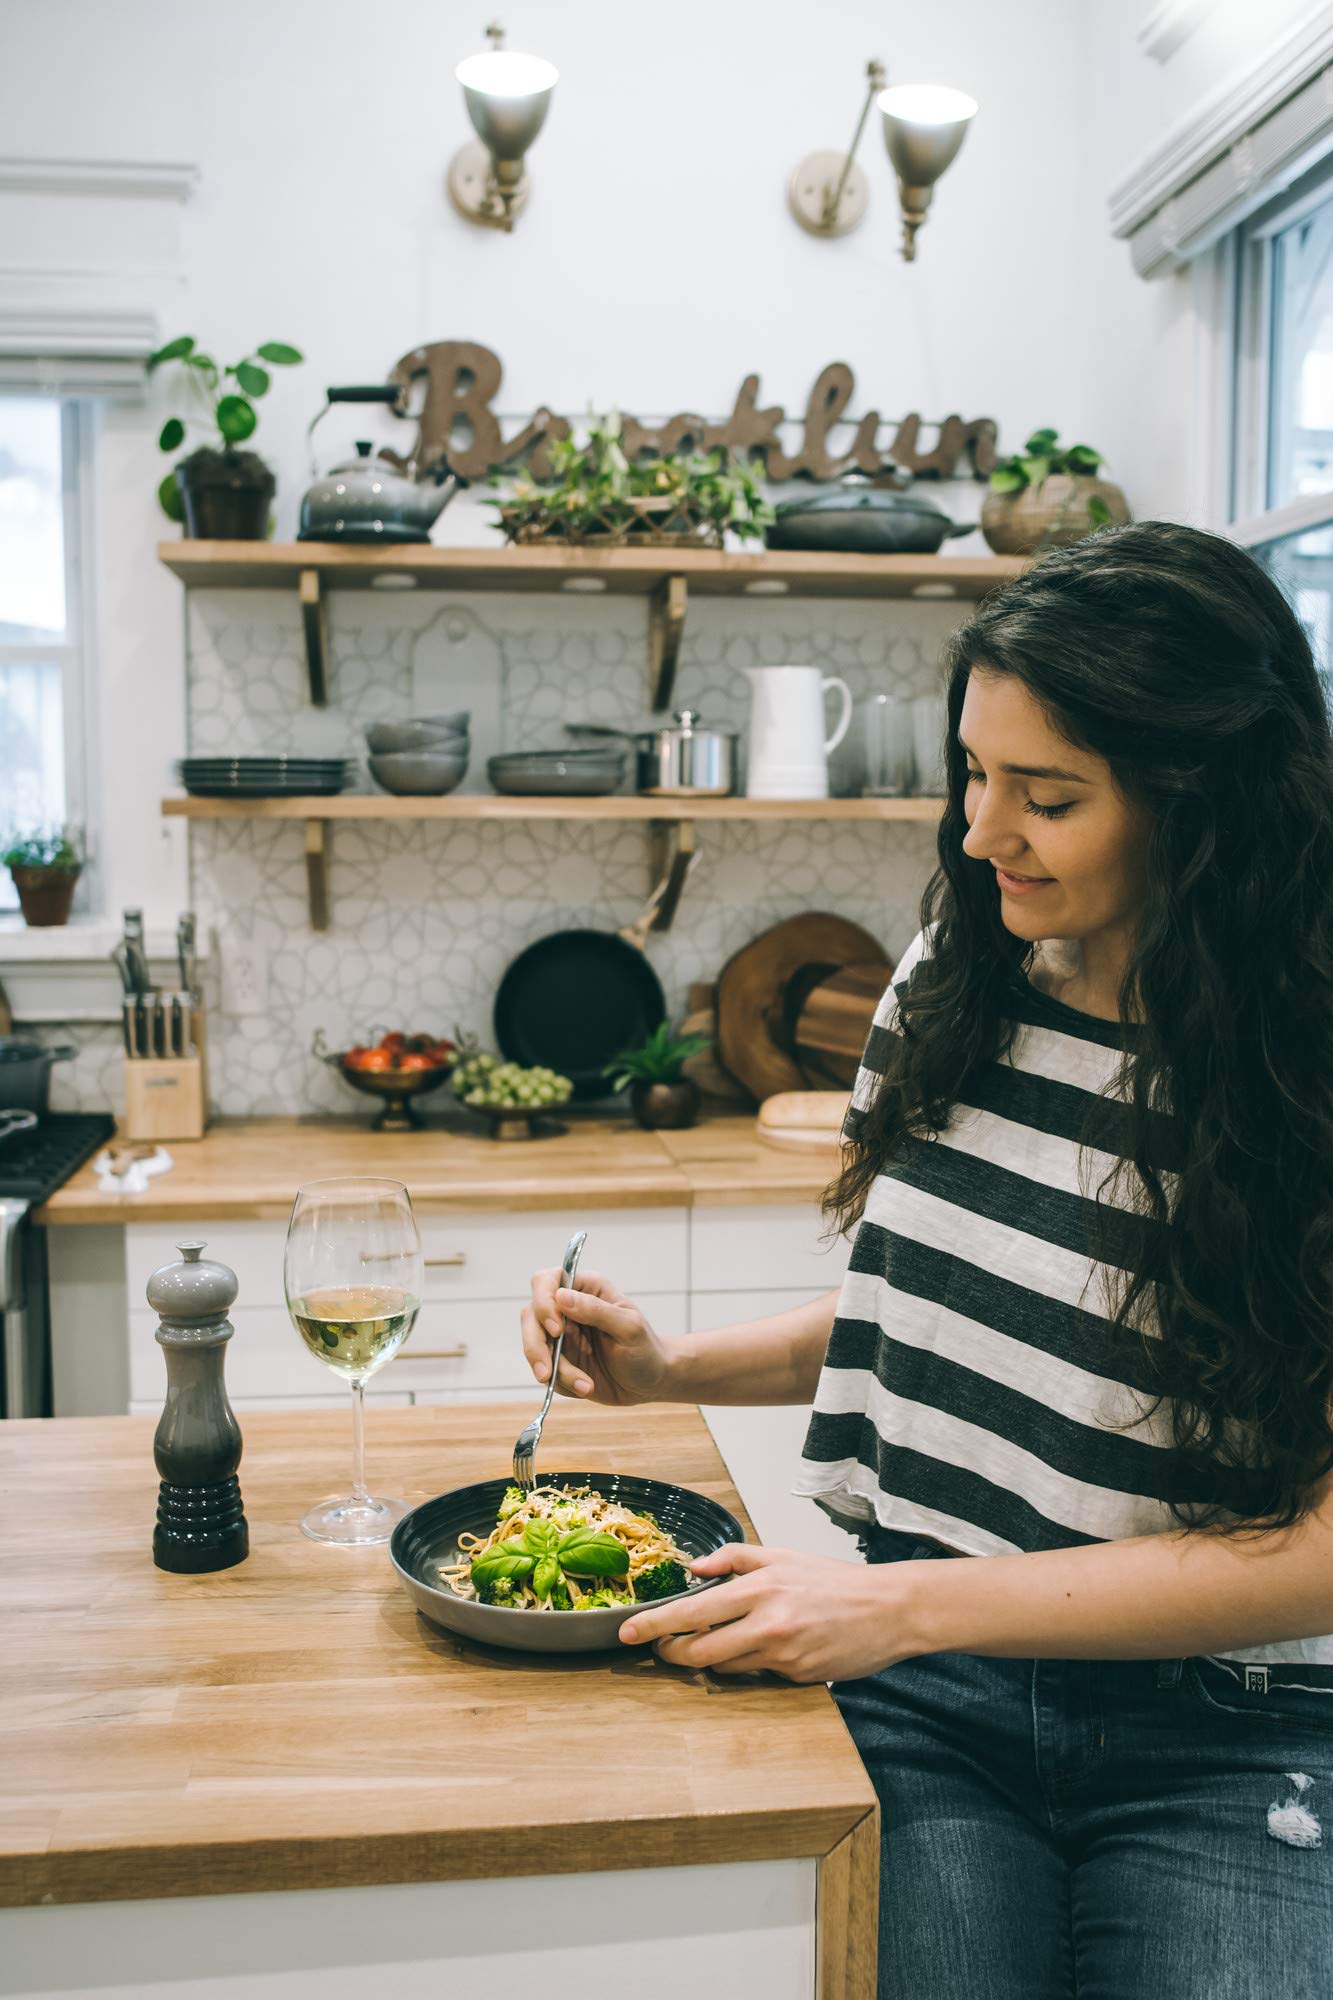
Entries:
{"x":525,"y":1448}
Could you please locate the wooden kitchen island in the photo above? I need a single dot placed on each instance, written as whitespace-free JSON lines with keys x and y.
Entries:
{"x":281,"y":1781}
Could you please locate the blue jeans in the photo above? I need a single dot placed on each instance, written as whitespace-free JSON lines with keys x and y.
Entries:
{"x":1106,"y":1829}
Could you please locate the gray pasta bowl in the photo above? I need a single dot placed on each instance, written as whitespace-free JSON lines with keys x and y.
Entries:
{"x":428,"y":1536}
{"x":419,"y":773}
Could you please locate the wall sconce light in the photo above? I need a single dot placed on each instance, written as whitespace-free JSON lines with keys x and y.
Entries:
{"x":924,"y":125}
{"x":507,"y":95}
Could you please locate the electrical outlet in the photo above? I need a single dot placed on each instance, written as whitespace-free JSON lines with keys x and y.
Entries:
{"x":244,"y":978}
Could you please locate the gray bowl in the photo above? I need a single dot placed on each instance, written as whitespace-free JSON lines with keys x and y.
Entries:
{"x":457,"y":718}
{"x":557,"y":776}
{"x":384,"y":738}
{"x":419,"y":773}
{"x":429,"y":1535}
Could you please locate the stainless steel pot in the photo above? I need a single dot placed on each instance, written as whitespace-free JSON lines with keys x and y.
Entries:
{"x":679,"y":759}
{"x":25,"y":1072}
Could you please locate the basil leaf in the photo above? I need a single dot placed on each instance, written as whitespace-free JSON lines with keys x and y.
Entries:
{"x":540,"y":1537}
{"x":500,"y":1562}
{"x":545,"y":1576}
{"x":587,"y":1553}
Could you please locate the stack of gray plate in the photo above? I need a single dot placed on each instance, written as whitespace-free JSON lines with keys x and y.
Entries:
{"x":264,"y":777}
{"x":558,"y":773}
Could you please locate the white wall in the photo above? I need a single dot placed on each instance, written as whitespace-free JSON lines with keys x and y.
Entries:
{"x":655,"y":266}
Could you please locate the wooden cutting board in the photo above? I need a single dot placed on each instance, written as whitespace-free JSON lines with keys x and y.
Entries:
{"x":834,"y":1020}
{"x":804,"y":1120}
{"x":755,"y":1027}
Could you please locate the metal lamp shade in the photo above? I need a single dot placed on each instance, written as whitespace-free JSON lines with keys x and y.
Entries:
{"x":924,"y":126}
{"x":507,"y":95}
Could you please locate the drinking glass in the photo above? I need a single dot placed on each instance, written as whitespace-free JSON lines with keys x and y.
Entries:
{"x":930,"y":724}
{"x":352,"y":1274}
{"x":887,"y":746}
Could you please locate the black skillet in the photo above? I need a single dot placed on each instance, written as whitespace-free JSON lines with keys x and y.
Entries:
{"x":574,"y":999}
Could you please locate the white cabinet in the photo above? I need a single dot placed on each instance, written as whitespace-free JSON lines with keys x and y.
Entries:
{"x":762,"y":1248}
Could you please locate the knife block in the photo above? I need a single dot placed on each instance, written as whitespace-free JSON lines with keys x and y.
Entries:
{"x":166,"y":1097}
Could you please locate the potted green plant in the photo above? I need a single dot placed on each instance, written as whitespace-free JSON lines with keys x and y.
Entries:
{"x":217,"y":491}
{"x":598,"y":497}
{"x":45,"y":867}
{"x":661,"y":1096}
{"x":1047,"y":495}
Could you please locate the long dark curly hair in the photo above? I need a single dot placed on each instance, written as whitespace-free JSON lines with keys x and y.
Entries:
{"x":1173,"y":655}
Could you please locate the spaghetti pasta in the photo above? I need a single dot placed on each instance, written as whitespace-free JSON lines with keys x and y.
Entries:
{"x":566,"y":1507}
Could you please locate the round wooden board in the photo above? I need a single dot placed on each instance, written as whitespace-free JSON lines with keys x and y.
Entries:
{"x":754,"y":1039}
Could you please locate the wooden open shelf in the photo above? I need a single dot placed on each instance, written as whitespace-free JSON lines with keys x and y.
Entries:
{"x":355,"y":805}
{"x":671,"y":822}
{"x":664,"y":576}
{"x":625,"y":572}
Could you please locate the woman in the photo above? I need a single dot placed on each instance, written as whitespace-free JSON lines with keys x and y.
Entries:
{"x":1086,"y":1335}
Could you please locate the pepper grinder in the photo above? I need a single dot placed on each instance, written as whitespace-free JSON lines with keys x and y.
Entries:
{"x":197,"y":1446}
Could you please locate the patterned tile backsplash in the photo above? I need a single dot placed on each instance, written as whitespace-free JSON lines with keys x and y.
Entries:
{"x":425,"y":917}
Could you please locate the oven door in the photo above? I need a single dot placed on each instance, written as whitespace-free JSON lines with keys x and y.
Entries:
{"x":25,"y":1387}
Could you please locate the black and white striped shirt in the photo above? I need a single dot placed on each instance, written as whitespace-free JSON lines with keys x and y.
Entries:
{"x":968,"y":1392}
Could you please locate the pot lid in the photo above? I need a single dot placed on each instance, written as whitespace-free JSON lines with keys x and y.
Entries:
{"x":367,"y":460}
{"x":862,"y":500}
{"x":687,"y":722}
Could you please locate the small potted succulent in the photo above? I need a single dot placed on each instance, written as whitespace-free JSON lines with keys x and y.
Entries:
{"x":218,"y":492}
{"x":661,"y":1096}
{"x":45,"y":867}
{"x":1047,"y":495}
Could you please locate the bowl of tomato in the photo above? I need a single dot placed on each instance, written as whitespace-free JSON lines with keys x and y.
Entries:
{"x":397,"y":1069}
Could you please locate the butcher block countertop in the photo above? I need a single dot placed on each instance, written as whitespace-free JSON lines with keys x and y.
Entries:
{"x":249,"y":1169}
{"x":293,"y":1723}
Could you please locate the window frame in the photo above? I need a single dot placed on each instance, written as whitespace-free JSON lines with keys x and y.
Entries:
{"x":74,"y":652}
{"x":1251,"y":521}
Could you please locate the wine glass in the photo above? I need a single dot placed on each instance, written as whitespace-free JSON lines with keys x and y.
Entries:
{"x":353,"y":1274}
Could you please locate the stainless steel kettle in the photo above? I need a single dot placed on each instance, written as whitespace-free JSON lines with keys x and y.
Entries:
{"x":367,"y":499}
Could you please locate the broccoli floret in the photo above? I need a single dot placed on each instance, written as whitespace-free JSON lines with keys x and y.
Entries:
{"x":597,"y":1600}
{"x":651,"y":1519}
{"x":664,"y":1579}
{"x":498,"y":1590}
{"x":560,"y":1597}
{"x":514,"y":1496}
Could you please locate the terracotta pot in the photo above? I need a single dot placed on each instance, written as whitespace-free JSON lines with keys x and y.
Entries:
{"x":45,"y":894}
{"x":1048,"y":516}
{"x":665,"y":1107}
{"x":226,"y":495}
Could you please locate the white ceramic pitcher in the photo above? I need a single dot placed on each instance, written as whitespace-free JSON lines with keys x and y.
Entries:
{"x":788,"y":750}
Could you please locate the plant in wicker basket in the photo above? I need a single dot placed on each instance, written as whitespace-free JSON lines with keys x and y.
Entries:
{"x":600,"y":498}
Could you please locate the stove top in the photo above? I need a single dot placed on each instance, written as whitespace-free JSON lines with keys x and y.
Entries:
{"x":34,"y":1164}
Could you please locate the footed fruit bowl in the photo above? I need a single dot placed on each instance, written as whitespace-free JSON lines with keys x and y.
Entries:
{"x":397,"y":1070}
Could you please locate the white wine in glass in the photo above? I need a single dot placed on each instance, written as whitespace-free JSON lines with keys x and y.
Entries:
{"x":352,"y":1275}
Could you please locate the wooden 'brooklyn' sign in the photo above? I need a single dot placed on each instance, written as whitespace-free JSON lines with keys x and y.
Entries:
{"x":457,"y":381}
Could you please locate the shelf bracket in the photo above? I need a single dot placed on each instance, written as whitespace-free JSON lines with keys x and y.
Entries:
{"x":666,"y":625}
{"x":317,"y":872}
{"x":315,"y":620}
{"x":673,"y":853}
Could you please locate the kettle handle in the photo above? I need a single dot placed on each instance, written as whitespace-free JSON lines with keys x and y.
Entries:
{"x":365,"y":392}
{"x":356,"y":392}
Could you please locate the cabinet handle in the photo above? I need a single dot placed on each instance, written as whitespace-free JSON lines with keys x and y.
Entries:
{"x":455,"y":1257}
{"x":436,"y":1353}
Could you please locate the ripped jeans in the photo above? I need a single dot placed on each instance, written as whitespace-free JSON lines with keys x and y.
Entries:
{"x":1105,"y":1829}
